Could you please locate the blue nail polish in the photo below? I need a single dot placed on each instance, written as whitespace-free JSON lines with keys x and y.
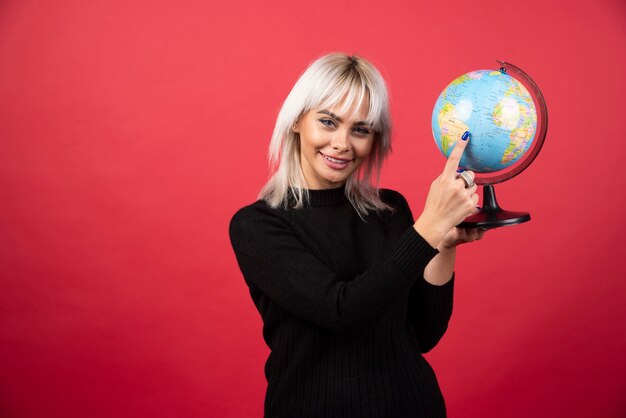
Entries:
{"x":465,"y":136}
{"x":460,"y":170}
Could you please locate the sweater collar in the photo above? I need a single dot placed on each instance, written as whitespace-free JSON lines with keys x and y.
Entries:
{"x":325,"y":197}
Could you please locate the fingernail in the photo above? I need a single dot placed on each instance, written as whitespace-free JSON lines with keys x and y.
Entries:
{"x":465,"y":136}
{"x":460,"y":170}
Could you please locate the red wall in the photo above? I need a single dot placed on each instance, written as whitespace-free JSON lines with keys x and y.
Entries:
{"x":131,"y":131}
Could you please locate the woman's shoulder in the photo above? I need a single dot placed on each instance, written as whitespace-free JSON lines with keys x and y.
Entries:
{"x":254,"y":210}
{"x":392,"y":197}
{"x":253,"y":215}
{"x":396,"y":201}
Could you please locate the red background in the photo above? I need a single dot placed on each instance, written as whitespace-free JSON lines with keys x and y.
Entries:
{"x":130,"y":132}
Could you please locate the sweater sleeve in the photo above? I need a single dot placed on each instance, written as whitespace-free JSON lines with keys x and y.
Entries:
{"x":429,"y":311}
{"x":273,"y":260}
{"x":429,"y":307}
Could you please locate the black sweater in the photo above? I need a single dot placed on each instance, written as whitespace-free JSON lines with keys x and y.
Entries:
{"x":345,"y":308}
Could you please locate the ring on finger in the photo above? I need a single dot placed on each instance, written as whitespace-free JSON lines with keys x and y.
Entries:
{"x":467,"y":178}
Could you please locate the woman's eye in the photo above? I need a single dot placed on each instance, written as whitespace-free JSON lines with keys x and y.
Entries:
{"x":362,"y":131}
{"x":327,"y":122}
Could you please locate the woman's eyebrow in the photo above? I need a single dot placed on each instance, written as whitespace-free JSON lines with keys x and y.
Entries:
{"x":332,"y":115}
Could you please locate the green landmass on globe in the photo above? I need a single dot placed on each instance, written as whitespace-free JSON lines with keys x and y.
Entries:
{"x":496,"y":109}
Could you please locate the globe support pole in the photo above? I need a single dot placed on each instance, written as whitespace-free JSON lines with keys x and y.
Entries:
{"x":491,"y":215}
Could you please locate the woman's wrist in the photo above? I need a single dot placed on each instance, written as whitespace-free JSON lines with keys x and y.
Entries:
{"x":432,"y":232}
{"x":441,"y":268}
{"x":442,"y":248}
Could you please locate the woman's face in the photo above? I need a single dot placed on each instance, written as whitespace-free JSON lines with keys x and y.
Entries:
{"x":333,"y":145}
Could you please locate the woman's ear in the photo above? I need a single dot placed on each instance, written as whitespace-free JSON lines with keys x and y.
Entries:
{"x":296,"y":124}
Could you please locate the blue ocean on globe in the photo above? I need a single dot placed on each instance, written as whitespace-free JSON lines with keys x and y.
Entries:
{"x":496,"y":109}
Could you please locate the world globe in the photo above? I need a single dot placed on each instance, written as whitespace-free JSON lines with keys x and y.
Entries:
{"x":507,"y":118}
{"x":498,"y":111}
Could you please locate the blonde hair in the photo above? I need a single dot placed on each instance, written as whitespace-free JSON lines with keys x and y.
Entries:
{"x":329,"y":81}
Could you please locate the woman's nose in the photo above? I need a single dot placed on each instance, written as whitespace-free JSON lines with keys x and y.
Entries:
{"x":341,"y":141}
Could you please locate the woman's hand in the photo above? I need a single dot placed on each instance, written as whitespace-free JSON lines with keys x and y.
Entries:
{"x":440,"y":269}
{"x":449,"y":201}
{"x":458,"y":236}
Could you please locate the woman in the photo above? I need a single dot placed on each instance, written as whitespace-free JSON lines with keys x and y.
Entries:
{"x":351,"y":290}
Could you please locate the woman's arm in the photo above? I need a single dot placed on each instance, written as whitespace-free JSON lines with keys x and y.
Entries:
{"x":440,"y":269}
{"x":430,"y":300}
{"x":447,"y":204}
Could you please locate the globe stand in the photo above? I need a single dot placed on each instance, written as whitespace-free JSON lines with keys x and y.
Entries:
{"x":491,"y":215}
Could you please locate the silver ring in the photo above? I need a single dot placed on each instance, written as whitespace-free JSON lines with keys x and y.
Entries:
{"x":467,"y":178}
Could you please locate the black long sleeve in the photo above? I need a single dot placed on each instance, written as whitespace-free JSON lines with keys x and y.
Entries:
{"x":346,"y":310}
{"x":428,"y":311}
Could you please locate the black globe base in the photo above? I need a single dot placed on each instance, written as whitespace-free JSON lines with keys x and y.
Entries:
{"x":491,"y":215}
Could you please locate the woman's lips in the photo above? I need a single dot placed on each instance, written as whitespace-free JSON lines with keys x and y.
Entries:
{"x":334,"y":162}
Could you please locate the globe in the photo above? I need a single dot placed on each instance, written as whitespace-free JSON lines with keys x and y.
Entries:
{"x":506,"y":115}
{"x":498,"y":111}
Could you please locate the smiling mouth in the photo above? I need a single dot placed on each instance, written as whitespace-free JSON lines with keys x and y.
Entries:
{"x":335,"y":160}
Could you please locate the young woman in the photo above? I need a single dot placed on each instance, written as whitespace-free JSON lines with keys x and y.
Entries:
{"x":351,"y":289}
